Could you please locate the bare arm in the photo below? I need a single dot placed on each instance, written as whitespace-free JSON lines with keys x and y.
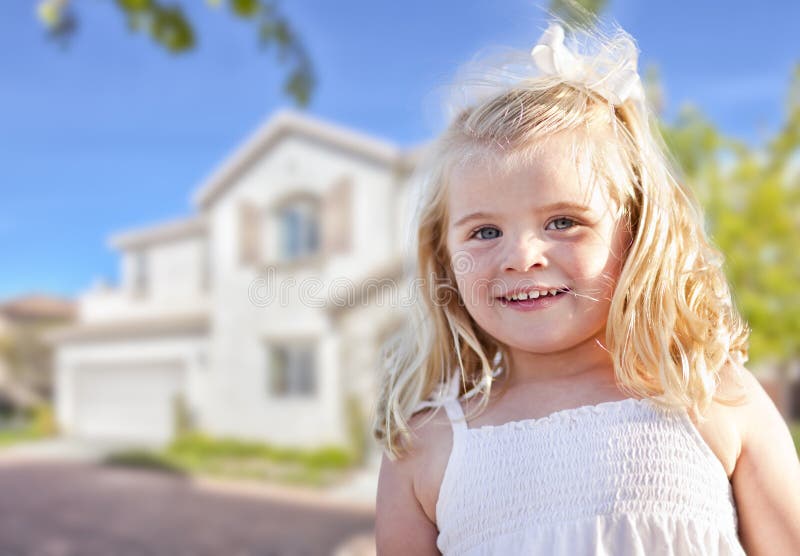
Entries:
{"x":766,"y":480}
{"x":401,"y":526}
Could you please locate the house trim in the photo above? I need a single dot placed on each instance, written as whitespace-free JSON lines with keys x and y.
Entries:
{"x":140,"y":328}
{"x":158,"y":233}
{"x":275,"y":128}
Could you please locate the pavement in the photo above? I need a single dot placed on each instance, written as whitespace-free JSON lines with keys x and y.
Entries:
{"x":356,"y":492}
{"x":361,"y":486}
{"x":78,"y":508}
{"x":65,"y":449}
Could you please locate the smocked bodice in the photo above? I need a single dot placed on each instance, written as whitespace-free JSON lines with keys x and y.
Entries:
{"x":622,"y":477}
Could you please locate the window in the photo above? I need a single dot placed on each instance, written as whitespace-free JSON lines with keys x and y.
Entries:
{"x":292,"y":369}
{"x":298,"y":229}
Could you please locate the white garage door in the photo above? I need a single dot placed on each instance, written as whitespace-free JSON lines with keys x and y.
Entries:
{"x":127,"y":403}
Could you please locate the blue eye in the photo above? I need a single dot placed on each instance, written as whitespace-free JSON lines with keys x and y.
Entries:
{"x":561,"y":223}
{"x":487,"y":233}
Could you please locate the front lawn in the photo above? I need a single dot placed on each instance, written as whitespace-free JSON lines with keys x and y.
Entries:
{"x":34,"y":425}
{"x":10,"y":435}
{"x":200,"y":454}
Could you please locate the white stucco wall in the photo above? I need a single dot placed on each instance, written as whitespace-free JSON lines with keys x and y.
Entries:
{"x":175,"y":269}
{"x":242,"y":404}
{"x":175,"y":284}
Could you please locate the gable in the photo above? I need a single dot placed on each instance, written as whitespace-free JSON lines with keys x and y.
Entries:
{"x":277,"y":130}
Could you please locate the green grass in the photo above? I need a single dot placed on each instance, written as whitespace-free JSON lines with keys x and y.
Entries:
{"x":203,"y":455}
{"x":794,"y":427}
{"x":14,"y":435}
{"x":35,"y":424}
{"x":144,"y":460}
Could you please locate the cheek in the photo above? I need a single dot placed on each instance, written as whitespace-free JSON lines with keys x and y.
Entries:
{"x":597,"y":272}
{"x":464,"y":264}
{"x":474,"y":259}
{"x":472,"y":269}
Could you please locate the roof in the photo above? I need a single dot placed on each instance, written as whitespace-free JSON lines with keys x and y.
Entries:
{"x":38,"y":307}
{"x":157,"y":233}
{"x":128,"y":329}
{"x":281,"y":124}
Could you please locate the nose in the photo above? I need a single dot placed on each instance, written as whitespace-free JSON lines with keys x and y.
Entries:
{"x":524,"y":254}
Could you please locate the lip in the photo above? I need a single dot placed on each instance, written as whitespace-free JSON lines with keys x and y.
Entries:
{"x":534,"y":304}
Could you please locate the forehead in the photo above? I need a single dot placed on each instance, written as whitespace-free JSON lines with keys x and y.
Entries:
{"x":553,"y":171}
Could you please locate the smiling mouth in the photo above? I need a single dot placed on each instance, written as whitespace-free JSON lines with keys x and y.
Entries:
{"x":533,"y":295}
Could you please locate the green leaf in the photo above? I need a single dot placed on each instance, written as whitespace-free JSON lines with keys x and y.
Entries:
{"x":580,"y":13}
{"x":170,"y":29}
{"x":299,"y":85}
{"x":135,"y":5}
{"x":245,"y":8}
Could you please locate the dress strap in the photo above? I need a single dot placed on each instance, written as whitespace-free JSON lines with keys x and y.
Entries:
{"x":456,"y":414}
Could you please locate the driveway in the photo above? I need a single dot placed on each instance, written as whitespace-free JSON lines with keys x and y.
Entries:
{"x":65,"y":449}
{"x":51,"y":508}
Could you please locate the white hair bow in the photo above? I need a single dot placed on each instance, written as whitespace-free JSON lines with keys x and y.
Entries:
{"x":616,"y":81}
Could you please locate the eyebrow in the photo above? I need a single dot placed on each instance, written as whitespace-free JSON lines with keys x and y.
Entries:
{"x":548,"y":208}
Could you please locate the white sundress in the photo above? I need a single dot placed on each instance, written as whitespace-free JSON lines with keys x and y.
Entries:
{"x":625,"y":477}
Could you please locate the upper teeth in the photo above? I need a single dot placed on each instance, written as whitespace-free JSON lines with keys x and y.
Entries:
{"x":534,"y":294}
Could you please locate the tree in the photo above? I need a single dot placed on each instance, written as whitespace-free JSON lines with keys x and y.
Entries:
{"x":752,"y":201}
{"x":171,"y":29}
{"x":582,"y":13}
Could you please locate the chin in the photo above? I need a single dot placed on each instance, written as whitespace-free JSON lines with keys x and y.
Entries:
{"x":540,"y":348}
{"x":532,"y":343}
{"x":543,"y":343}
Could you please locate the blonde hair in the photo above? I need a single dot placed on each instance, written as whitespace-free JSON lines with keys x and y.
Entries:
{"x":671,"y":328}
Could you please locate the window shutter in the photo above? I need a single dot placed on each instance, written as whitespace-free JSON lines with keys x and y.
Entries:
{"x":337,"y":217}
{"x":140,"y":273}
{"x":249,"y":234}
{"x":205,"y":266}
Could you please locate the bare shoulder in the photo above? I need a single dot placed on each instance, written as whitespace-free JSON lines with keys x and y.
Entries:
{"x":757,"y":417}
{"x":722,"y":428}
{"x":433,"y":441}
{"x":756,"y":408}
{"x":408,"y":488}
{"x":753,"y":441}
{"x":727,"y":428}
{"x":766,"y":478}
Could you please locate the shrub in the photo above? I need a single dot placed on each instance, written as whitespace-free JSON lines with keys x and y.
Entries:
{"x":43,"y":420}
{"x":198,"y":446}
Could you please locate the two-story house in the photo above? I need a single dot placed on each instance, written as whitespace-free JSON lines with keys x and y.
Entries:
{"x":261,"y":316}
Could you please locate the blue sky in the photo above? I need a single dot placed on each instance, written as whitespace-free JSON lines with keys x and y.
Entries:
{"x":113,"y":133}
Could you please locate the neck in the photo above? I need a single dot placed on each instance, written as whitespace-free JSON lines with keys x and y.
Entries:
{"x":590,"y":361}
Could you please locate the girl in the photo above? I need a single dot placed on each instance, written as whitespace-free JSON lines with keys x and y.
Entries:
{"x":597,"y":402}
